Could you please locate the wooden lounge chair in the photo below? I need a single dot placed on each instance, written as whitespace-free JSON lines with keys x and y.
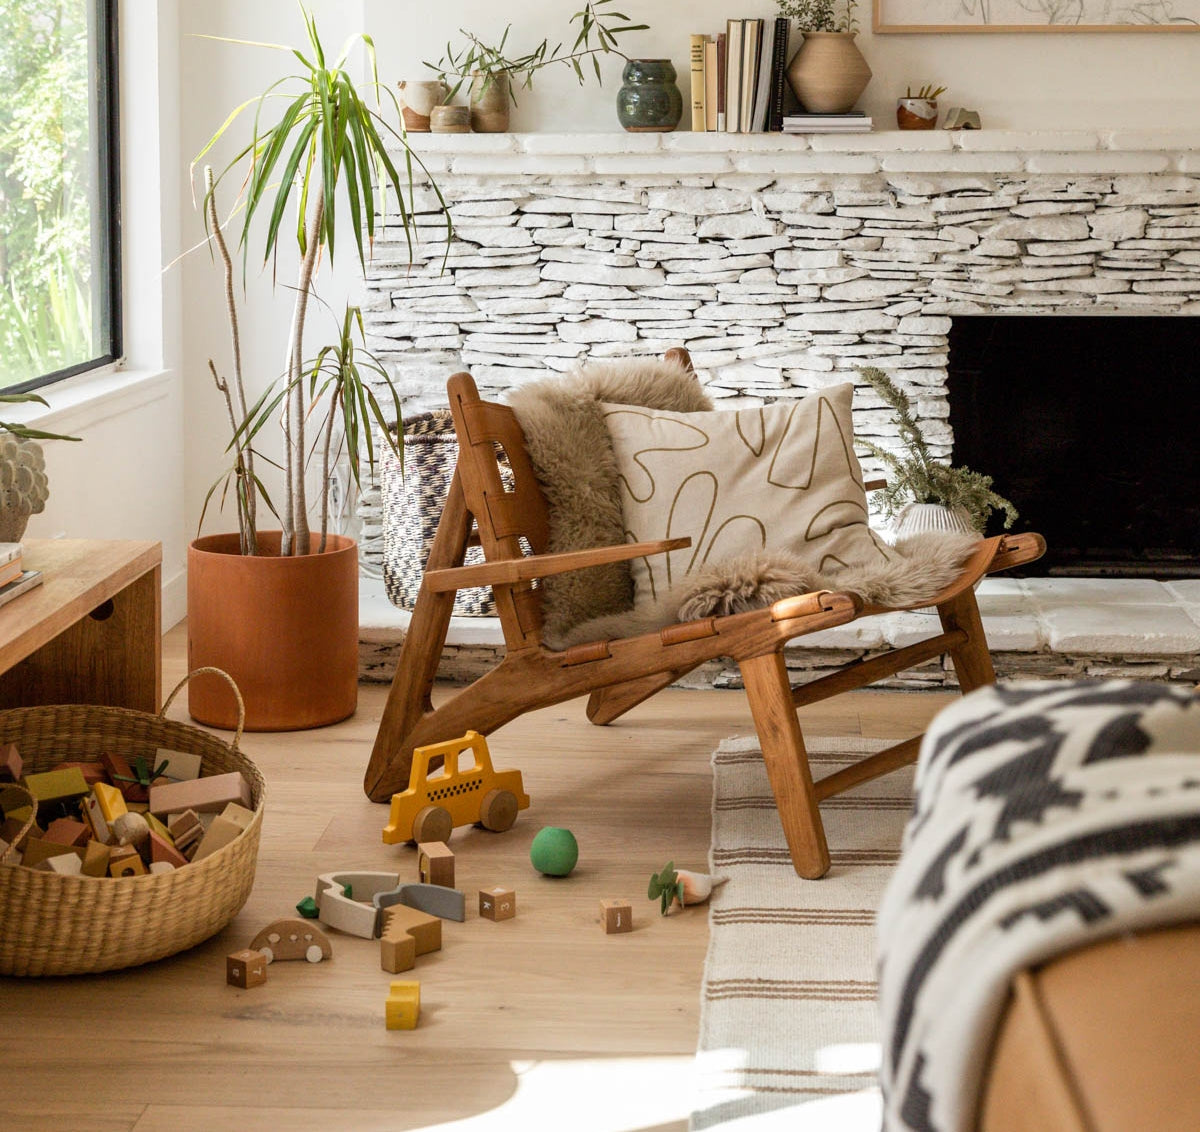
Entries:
{"x":619,"y":674}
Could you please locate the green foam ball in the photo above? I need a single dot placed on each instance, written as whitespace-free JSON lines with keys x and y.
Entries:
{"x":554,"y":851}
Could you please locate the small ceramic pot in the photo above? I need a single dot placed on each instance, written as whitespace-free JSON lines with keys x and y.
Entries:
{"x":649,"y":101}
{"x":916,"y":113}
{"x":417,"y":99}
{"x":489,"y":103}
{"x":450,"y":120}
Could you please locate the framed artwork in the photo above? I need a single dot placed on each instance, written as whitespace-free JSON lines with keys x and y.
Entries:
{"x":1035,"y":15}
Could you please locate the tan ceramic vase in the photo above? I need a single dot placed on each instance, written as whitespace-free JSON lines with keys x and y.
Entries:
{"x":489,"y":103}
{"x":285,"y":629}
{"x":418,"y":98}
{"x":829,"y":72}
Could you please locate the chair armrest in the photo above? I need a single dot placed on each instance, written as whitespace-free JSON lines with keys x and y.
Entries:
{"x":510,"y":571}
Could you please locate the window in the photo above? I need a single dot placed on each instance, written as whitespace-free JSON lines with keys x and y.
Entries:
{"x":59,"y":261}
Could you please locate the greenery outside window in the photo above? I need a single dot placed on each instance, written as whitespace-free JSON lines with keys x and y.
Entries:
{"x":59,"y":221}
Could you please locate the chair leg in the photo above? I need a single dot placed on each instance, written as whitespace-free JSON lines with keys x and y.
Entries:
{"x":769,"y":692}
{"x":607,"y":704}
{"x":972,"y":660}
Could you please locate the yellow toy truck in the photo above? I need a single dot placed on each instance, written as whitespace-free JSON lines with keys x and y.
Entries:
{"x":455,"y":794}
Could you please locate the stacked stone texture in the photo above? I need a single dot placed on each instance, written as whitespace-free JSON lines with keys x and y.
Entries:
{"x":782,"y":264}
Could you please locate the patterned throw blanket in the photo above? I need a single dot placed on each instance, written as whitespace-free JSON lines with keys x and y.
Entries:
{"x":1040,"y":825}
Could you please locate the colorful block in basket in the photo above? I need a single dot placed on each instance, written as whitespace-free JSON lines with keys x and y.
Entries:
{"x":37,"y":849}
{"x":56,"y":785}
{"x":95,"y":859}
{"x":64,"y":864}
{"x":125,"y":861}
{"x":204,"y":795}
{"x":92,"y":772}
{"x":10,"y":763}
{"x":11,"y":829}
{"x":121,"y":775}
{"x":94,"y":815}
{"x":225,"y":828}
{"x":157,"y":826}
{"x":112,"y":802}
{"x":181,"y":766}
{"x":162,"y":849}
{"x":185,"y":829}
{"x":67,"y":831}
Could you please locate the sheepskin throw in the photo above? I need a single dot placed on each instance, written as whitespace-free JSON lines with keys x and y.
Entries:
{"x":572,"y":455}
{"x":1046,"y":817}
{"x":779,"y":477}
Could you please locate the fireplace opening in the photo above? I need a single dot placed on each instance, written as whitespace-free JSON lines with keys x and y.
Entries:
{"x":1090,"y":426}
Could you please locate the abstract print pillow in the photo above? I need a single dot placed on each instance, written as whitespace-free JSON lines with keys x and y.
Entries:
{"x":779,"y":477}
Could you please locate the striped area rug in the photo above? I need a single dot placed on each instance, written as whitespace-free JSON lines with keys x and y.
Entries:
{"x":788,"y":1026}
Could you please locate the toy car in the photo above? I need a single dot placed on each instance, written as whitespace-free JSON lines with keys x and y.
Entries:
{"x":455,"y":794}
{"x":292,"y":939}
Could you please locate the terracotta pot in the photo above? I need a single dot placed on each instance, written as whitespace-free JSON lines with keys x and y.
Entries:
{"x":285,"y":629}
{"x":417,"y":101}
{"x":829,"y":72}
{"x":916,"y":113}
{"x":489,"y":103}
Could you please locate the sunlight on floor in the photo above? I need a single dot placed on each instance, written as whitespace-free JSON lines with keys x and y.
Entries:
{"x":599,"y":1094}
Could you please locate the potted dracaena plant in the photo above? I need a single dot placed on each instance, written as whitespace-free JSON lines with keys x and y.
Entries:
{"x":278,"y":610}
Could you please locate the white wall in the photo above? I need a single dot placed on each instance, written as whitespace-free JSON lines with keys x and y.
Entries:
{"x":1024,"y":81}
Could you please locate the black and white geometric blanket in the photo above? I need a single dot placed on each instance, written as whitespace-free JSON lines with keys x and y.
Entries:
{"x":1040,"y":823}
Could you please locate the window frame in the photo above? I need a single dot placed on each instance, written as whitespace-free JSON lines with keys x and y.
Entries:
{"x":106,"y":60}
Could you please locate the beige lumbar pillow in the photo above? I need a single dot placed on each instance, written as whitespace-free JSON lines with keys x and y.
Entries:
{"x":780,"y":477}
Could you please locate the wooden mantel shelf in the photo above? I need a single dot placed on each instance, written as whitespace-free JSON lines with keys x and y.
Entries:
{"x":91,"y":633}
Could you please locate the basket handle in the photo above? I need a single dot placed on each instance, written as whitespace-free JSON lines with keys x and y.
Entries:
{"x":12,"y":849}
{"x":237,"y":735}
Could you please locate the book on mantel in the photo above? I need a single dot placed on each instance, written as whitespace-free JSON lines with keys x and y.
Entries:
{"x":852,"y":122}
{"x":23,"y":583}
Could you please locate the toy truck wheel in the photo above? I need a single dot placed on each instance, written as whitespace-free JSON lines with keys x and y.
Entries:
{"x":498,"y":811}
{"x":432,"y":823}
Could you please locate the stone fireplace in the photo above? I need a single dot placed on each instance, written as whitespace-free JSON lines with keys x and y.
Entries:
{"x":784,"y":264}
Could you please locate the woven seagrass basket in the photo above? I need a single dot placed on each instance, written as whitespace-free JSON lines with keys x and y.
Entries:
{"x":73,"y":925}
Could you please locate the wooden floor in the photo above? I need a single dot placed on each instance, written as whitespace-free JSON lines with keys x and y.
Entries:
{"x":522,"y":1022}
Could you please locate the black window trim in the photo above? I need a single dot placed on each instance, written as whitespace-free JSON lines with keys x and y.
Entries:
{"x":108,"y":185}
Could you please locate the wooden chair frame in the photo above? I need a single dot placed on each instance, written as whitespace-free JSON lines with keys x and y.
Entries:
{"x":619,"y":674}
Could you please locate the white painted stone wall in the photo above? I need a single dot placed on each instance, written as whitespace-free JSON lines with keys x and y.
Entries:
{"x":784,"y":264}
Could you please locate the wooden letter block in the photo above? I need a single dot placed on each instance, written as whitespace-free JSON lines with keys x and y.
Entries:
{"x":10,"y":763}
{"x":111,"y":801}
{"x":95,"y":859}
{"x":246,"y":969}
{"x":224,"y":829}
{"x":497,"y":903}
{"x":186,"y":829}
{"x":406,"y":934}
{"x":402,"y":1009}
{"x":65,"y":831}
{"x":616,"y":915}
{"x":125,"y":861}
{"x":203,"y":795}
{"x":435,"y":863}
{"x":56,"y":785}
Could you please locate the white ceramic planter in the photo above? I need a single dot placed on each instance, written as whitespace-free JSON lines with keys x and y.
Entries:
{"x":927,"y":518}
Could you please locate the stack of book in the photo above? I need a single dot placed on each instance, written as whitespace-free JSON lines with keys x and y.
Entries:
{"x":853,"y":122}
{"x":14,"y":578}
{"x":738,"y":78}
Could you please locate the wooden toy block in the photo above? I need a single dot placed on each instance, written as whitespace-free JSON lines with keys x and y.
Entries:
{"x":435,"y":863}
{"x":497,"y":903}
{"x":92,"y":772}
{"x":308,"y":908}
{"x":111,"y":801}
{"x":11,"y":828}
{"x":185,"y":829}
{"x":10,"y":763}
{"x":246,"y":969}
{"x":406,"y":934}
{"x":204,"y":795}
{"x":402,"y":1010}
{"x":65,"y":864}
{"x":357,"y":915}
{"x":158,"y":827}
{"x":182,"y":766}
{"x":162,"y":850}
{"x":616,"y":915}
{"x":66,"y":831}
{"x":37,"y":849}
{"x":121,"y":775}
{"x":160,"y":867}
{"x":435,"y":899}
{"x":125,"y":861}
{"x":292,"y":938}
{"x":56,"y":785}
{"x":95,"y":859}
{"x":225,"y":828}
{"x":97,"y":822}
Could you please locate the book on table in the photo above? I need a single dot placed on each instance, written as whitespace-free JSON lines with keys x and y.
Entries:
{"x":14,"y":589}
{"x":697,"y":77}
{"x":854,"y":122}
{"x":733,"y":76}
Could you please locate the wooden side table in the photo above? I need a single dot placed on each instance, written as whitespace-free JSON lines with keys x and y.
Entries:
{"x":91,"y":633}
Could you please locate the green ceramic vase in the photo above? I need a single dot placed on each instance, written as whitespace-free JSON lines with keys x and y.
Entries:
{"x":649,"y":102}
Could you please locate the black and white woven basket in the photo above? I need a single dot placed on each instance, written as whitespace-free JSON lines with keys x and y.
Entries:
{"x":413,"y":498}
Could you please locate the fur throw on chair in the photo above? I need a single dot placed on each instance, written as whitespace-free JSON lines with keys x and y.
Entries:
{"x":562,"y":419}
